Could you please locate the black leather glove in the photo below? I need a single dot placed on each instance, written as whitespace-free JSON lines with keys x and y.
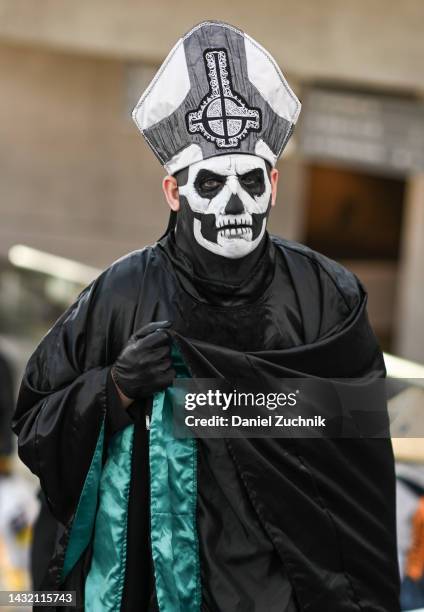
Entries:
{"x":144,"y":366}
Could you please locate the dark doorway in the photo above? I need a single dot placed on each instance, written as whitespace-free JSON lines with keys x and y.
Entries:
{"x":356,"y":218}
{"x":352,"y":215}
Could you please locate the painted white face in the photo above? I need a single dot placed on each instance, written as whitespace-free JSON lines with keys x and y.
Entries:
{"x":229,"y":196}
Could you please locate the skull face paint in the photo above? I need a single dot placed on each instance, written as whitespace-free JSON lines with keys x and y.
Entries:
{"x":229,"y":197}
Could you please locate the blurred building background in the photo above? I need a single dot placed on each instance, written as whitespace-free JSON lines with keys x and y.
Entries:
{"x":78,"y":181}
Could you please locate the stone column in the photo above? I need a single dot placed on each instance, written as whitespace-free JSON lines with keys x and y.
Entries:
{"x":409,"y":336}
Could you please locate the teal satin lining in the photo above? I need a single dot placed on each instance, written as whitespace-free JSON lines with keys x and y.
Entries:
{"x":82,"y":524}
{"x":173,"y":491}
{"x":105,"y":580}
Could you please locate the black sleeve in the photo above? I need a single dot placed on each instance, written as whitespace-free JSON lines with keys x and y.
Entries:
{"x":66,"y":392}
{"x":341,"y":294}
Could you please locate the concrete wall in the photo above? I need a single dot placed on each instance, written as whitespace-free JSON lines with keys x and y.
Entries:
{"x":410,"y":303}
{"x":368,"y":41}
{"x":76,"y":178}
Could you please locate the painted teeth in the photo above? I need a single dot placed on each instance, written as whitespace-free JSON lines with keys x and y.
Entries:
{"x":234,"y":221}
{"x":239,"y":231}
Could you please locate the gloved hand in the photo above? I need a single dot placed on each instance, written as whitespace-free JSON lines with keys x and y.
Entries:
{"x":144,"y":366}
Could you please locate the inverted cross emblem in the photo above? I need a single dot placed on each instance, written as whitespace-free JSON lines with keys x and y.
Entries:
{"x":223,"y":116}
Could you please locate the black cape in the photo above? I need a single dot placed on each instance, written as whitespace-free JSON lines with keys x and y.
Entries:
{"x":327,"y":506}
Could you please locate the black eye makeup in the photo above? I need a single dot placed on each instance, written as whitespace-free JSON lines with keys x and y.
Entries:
{"x":253,"y":182}
{"x":208,"y":184}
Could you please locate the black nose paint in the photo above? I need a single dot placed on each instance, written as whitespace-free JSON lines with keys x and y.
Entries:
{"x":234,"y":206}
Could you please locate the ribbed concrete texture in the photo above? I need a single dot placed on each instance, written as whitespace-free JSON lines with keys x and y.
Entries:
{"x":374,"y":41}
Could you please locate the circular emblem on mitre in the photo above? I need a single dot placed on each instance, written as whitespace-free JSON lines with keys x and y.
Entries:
{"x":217,"y":92}
{"x":223,"y":116}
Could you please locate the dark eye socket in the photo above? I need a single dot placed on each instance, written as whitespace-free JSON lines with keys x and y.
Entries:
{"x":253,"y":181}
{"x":208,"y":183}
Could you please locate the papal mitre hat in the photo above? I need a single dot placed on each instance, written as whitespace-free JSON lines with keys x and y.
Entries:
{"x":217,"y":92}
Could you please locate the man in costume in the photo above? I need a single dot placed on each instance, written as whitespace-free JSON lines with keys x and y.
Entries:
{"x":151,"y":522}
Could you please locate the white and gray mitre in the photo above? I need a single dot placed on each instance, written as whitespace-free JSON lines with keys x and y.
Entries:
{"x":217,"y":92}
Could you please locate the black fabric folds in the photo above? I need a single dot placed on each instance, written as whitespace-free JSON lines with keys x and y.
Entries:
{"x":323,"y":509}
{"x":333,"y":520}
